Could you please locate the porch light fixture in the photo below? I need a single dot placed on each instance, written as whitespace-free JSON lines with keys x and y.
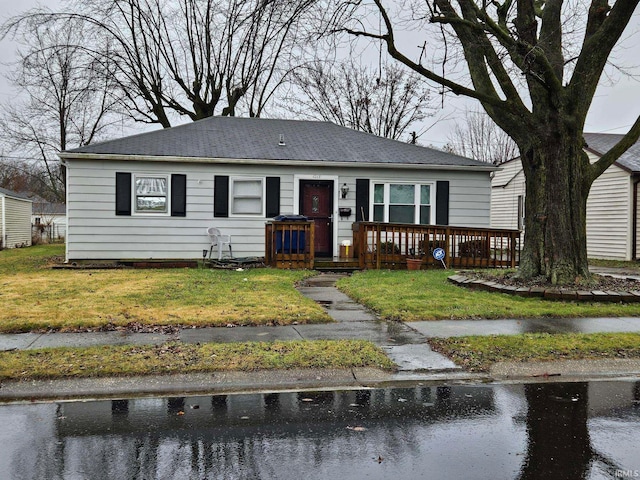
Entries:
{"x":281,"y":140}
{"x":344,"y":190}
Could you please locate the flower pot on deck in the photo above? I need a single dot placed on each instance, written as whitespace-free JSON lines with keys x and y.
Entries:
{"x":414,"y":263}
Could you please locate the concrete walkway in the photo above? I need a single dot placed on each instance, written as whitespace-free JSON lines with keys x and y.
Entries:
{"x":406,"y":345}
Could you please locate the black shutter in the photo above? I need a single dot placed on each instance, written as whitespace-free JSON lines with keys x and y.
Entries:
{"x":178,"y":195}
{"x":221,"y":196}
{"x":123,"y":193}
{"x":273,"y":197}
{"x":442,"y":203}
{"x":362,"y":199}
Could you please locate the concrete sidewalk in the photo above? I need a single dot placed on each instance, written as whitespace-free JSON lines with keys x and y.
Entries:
{"x":406,"y":345}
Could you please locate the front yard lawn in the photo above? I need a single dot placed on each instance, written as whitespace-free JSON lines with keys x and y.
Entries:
{"x":175,"y":357}
{"x":35,"y":297}
{"x":478,"y":353}
{"x":427,"y":295}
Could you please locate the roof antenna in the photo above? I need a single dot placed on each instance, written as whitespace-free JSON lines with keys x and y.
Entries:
{"x":281,"y":142}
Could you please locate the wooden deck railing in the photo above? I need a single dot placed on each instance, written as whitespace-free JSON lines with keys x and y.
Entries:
{"x":388,"y":245}
{"x":289,"y":245}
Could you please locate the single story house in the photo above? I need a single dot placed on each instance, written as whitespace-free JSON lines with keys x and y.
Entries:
{"x":49,"y":219}
{"x":153,"y":195}
{"x":612,"y":205}
{"x":15,"y":219}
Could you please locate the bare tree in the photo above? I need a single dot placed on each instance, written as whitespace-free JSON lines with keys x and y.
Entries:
{"x":193,"y":58}
{"x":65,"y":100}
{"x":26,"y":176}
{"x":15,"y":175}
{"x":384,"y":101}
{"x":534,"y":66}
{"x":481,"y":139}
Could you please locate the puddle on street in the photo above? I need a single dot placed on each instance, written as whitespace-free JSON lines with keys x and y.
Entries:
{"x":537,"y":431}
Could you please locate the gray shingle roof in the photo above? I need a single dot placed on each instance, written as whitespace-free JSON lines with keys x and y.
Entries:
{"x":258,"y":138}
{"x":601,"y":143}
{"x":9,"y":193}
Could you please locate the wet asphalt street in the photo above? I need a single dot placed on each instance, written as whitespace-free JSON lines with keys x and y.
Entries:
{"x":527,"y":431}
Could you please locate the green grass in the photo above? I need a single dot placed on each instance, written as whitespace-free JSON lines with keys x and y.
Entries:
{"x":628,"y":266}
{"x":130,"y":360}
{"x":478,"y":353}
{"x":19,"y":260}
{"x":427,"y":295}
{"x":35,"y":297}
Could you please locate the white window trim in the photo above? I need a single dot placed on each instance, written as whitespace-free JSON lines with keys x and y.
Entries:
{"x":416,"y":205}
{"x":263,"y":199}
{"x":150,"y":213}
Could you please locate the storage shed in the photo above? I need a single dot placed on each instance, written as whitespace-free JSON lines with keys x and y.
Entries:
{"x":15,"y":219}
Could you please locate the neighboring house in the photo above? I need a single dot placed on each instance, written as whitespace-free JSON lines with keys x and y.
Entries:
{"x":153,"y":195}
{"x":49,"y":220}
{"x":612,"y":205}
{"x":15,"y":220}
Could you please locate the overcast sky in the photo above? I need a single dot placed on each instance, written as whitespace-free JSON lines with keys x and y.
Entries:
{"x":614,"y":108}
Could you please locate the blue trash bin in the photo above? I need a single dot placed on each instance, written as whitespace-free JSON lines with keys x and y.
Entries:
{"x":293,"y":242}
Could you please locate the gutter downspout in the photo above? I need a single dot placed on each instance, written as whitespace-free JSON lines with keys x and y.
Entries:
{"x":634,"y":220}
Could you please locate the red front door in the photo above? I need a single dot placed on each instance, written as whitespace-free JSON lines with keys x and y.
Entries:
{"x":316,"y":203}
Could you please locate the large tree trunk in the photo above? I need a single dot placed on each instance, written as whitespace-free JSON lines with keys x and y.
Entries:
{"x":558,"y":180}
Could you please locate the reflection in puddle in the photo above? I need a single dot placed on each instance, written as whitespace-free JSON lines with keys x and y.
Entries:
{"x":550,"y":431}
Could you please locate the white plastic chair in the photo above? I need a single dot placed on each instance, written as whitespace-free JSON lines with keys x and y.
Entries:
{"x":218,"y":240}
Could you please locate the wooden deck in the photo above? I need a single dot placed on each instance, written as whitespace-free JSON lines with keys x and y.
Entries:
{"x":378,"y":245}
{"x":388,"y":245}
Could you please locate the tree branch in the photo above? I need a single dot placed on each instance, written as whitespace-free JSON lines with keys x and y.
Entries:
{"x":456,"y":88}
{"x":621,"y":147}
{"x":602,"y":36}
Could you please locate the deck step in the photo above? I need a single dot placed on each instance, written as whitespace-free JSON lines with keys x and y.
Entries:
{"x":336,"y":269}
{"x":336,"y":265}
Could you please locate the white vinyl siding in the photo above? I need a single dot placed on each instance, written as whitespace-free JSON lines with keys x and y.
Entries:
{"x":637,"y":223}
{"x":506,"y":186}
{"x":15,"y":221}
{"x":609,"y":215}
{"x":94,"y":232}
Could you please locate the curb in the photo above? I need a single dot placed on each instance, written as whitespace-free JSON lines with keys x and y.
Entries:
{"x":269,"y":381}
{"x":176,"y":385}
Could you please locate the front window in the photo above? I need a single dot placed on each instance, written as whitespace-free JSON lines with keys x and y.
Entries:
{"x":151,"y":193}
{"x":402,"y":203}
{"x":247,"y":196}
